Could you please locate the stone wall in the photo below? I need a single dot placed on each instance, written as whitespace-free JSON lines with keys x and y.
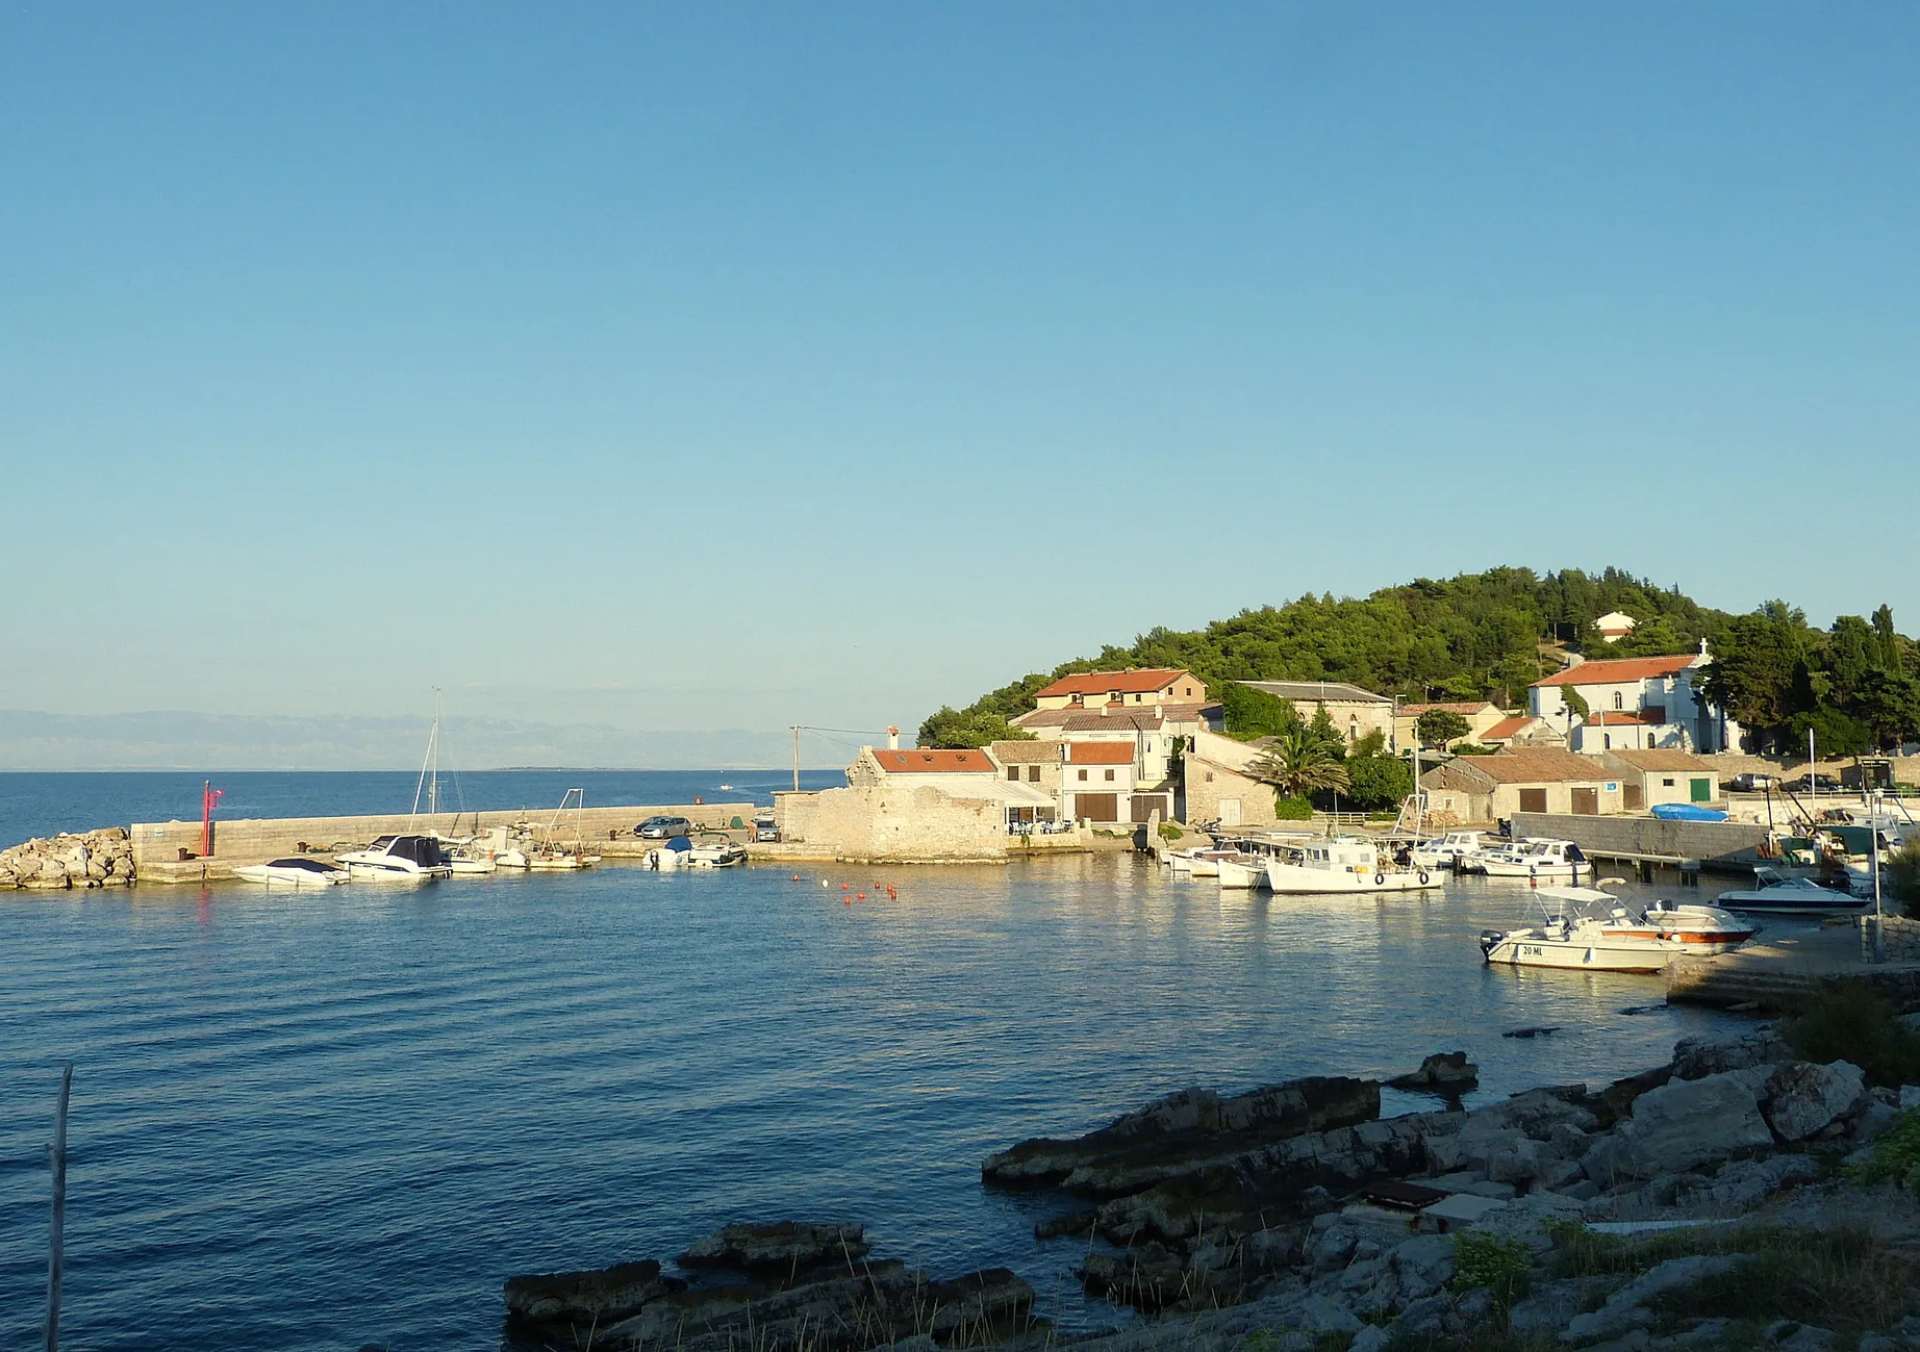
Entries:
{"x":1730,"y":846}
{"x":252,"y":841}
{"x":96,"y":859}
{"x":886,"y":823}
{"x":1901,"y":936}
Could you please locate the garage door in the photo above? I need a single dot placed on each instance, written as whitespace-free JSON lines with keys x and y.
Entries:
{"x":1586,"y":802}
{"x":1702,"y":791}
{"x":1099,"y":807}
{"x":1533,"y":800}
{"x":1146,"y":804}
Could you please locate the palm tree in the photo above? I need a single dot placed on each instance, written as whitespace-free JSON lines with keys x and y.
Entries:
{"x":1297,"y":762}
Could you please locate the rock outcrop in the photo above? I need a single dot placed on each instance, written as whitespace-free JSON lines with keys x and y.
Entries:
{"x":101,"y":858}
{"x":782,"y":1287}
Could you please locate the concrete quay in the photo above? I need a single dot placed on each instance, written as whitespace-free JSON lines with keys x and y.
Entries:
{"x":1776,"y":974}
{"x":167,"y":852}
{"x":1717,"y":847}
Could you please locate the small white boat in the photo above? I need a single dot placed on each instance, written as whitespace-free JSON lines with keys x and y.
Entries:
{"x":556,"y":860}
{"x":1783,"y":893}
{"x":717,"y":853}
{"x":1443,"y":851}
{"x":294,"y":871}
{"x":404,"y":859}
{"x":1241,"y":871}
{"x":1614,"y":940}
{"x":1200,"y":861}
{"x":1542,"y":861}
{"x":1346,"y":865}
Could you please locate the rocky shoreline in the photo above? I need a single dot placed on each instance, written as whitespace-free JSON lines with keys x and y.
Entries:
{"x":1294,"y":1218}
{"x":102,"y":858}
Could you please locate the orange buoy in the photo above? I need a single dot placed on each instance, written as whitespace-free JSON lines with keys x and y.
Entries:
{"x":846,"y":901}
{"x":893,"y":894}
{"x":846,"y":887}
{"x":861,"y":895}
{"x":796,"y":877}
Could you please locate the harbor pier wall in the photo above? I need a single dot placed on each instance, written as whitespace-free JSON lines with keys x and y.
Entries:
{"x":157,"y":845}
{"x":1727,"y":847}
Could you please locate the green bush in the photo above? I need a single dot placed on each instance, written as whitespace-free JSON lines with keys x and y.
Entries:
{"x":1901,"y":882}
{"x":1896,"y":1154}
{"x":1848,"y":1020}
{"x":1292,"y":809}
{"x":1169,"y":831}
{"x":1494,"y":1261}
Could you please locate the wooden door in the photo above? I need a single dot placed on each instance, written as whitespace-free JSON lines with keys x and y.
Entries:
{"x":1533,"y":800}
{"x":1098,"y":807}
{"x":1146,"y":804}
{"x":1634,"y":796}
{"x":1586,"y":802}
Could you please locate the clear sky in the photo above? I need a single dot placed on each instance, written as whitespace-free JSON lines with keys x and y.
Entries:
{"x":694,"y":366}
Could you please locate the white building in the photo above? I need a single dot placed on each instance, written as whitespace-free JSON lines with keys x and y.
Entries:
{"x":1635,"y":703}
{"x":1614,"y":626}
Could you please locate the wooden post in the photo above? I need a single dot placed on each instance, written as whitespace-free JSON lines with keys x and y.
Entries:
{"x":57,"y":1157}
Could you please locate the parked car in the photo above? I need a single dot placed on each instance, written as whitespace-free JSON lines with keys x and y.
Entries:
{"x":1823,"y":783}
{"x":1748,"y":782}
{"x":765,"y":828}
{"x":663,"y":828}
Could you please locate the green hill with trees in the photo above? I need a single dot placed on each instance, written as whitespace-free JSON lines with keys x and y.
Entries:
{"x":1490,"y":635}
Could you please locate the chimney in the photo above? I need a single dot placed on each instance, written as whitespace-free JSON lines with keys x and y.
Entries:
{"x":893,"y":739}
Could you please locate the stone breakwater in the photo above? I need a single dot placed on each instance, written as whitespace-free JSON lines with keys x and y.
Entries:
{"x":1294,"y":1219}
{"x":101,"y":858}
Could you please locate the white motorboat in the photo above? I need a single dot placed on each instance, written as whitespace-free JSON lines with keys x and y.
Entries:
{"x":1491,"y":851}
{"x":557,"y":860}
{"x":397,"y":859}
{"x":1613,"y":939}
{"x":294,"y":871}
{"x":1444,"y":851}
{"x":467,"y":855}
{"x":1346,"y":865}
{"x":1782,"y":893}
{"x":1198,"y":862}
{"x":1542,"y":861}
{"x":721,"y":853}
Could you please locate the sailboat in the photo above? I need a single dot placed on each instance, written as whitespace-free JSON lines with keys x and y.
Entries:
{"x":549,"y":855}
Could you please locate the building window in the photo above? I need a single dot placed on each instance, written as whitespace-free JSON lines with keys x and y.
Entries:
{"x":1109,"y":776}
{"x":1666,"y":783}
{"x":1033,"y":774}
{"x":1113,"y":697}
{"x":1083,"y":776}
{"x":1137,"y":698}
{"x":1619,"y":700}
{"x":1013,"y":773}
{"x":1607,"y":741}
{"x":1209,"y":776}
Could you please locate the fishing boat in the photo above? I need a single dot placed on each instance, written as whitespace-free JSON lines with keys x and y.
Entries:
{"x":1541,"y":860}
{"x":1594,"y":932}
{"x":295,"y":871}
{"x":1780,"y":893}
{"x":406,"y":859}
{"x":1201,"y":861}
{"x":550,"y":854}
{"x":721,"y":853}
{"x":1345,"y":865}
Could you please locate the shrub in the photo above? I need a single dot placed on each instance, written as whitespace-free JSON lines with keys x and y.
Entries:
{"x":1169,"y":831}
{"x":1292,"y":809}
{"x":1896,"y":1154}
{"x":1497,"y":1262}
{"x":1848,"y":1020}
{"x":1901,"y":878}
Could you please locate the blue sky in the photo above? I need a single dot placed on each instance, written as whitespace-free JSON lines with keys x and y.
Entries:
{"x":712,"y":366}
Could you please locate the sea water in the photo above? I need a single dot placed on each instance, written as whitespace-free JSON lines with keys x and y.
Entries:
{"x":329,"y":1119}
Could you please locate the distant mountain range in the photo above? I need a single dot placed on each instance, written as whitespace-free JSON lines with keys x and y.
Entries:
{"x":196,"y":741}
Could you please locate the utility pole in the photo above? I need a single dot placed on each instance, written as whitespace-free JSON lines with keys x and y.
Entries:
{"x":796,"y":758}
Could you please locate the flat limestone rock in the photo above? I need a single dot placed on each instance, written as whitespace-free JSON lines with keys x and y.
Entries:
{"x":777,"y":1246}
{"x":559,"y":1302}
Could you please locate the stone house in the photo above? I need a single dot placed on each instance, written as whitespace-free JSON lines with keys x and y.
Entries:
{"x":1480,"y":715}
{"x":1537,"y":779}
{"x":1355,"y":712}
{"x":1521,"y":730}
{"x":1650,"y":778}
{"x":1659,"y":694}
{"x":919,"y":804}
{"x":1036,"y":765}
{"x":1137,"y":687}
{"x":1218,"y":785}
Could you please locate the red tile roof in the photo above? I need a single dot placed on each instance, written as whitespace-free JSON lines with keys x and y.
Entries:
{"x":1624,"y":669}
{"x":1506,"y":728}
{"x":1100,"y":753}
{"x":1533,"y":765}
{"x":1661,"y":758}
{"x":1142,"y":682}
{"x":923,"y":762}
{"x":1617,"y":718}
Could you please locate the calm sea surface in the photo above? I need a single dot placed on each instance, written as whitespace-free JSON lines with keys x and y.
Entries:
{"x":340,"y":1119}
